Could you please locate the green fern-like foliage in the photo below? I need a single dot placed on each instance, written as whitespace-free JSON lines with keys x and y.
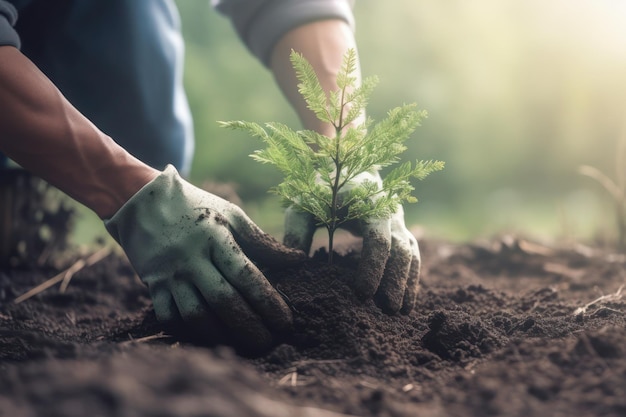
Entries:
{"x":317,"y":168}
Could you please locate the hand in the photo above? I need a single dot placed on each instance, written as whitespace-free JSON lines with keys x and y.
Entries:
{"x":190,"y":248}
{"x":390,"y":259}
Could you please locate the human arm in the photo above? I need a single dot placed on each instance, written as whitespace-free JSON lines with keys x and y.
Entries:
{"x":323,"y":44}
{"x":193,"y":249}
{"x":46,"y":135}
{"x":322,"y":30}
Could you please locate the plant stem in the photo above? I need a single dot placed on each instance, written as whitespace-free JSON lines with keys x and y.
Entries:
{"x":333,"y":213}
{"x":331,"y":234}
{"x":335,"y":193}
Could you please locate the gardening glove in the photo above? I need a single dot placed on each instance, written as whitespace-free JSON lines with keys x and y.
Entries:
{"x":190,"y":247}
{"x":390,"y":259}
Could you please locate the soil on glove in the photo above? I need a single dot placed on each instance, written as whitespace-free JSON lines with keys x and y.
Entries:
{"x":508,"y":327}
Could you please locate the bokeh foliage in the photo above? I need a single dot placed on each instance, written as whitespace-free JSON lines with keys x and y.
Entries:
{"x":519,"y":94}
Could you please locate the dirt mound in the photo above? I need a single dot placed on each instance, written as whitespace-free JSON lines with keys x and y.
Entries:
{"x":506,"y":327}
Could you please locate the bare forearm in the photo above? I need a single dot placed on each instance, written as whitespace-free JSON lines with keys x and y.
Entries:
{"x":44,"y":133}
{"x":323,"y":44}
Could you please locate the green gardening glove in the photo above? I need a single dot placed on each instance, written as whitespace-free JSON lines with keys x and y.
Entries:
{"x":390,"y":259}
{"x":194,"y":250}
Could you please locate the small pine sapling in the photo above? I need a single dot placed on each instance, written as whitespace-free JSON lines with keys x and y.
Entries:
{"x":318,"y":168}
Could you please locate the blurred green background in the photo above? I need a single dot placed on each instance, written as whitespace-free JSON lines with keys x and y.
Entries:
{"x":519,"y":94}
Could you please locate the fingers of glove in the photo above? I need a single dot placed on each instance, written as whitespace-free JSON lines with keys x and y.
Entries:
{"x":250,"y":282}
{"x":184,"y":303}
{"x":412,"y":283}
{"x":299,"y":229}
{"x":190,"y":302}
{"x":260,"y":246}
{"x":390,"y":294}
{"x":164,"y":306}
{"x":374,"y":255}
{"x":233,"y":310}
{"x":196,"y":313}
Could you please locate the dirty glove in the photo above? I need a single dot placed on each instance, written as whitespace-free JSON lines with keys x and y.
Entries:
{"x":190,"y":247}
{"x":390,"y":259}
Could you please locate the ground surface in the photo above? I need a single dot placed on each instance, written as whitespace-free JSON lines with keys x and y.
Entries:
{"x":508,"y":327}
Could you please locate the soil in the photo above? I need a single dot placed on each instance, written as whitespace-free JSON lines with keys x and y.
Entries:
{"x":506,"y":327}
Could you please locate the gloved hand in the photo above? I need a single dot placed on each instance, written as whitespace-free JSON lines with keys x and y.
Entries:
{"x":190,"y":247}
{"x":390,"y":259}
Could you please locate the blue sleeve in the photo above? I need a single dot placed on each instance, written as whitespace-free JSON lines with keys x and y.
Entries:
{"x":8,"y":17}
{"x":261,"y":23}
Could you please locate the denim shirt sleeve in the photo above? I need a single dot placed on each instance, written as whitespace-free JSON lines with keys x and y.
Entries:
{"x":261,"y":23}
{"x":8,"y":17}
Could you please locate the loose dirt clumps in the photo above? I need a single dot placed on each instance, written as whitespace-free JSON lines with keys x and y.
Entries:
{"x":505,"y":327}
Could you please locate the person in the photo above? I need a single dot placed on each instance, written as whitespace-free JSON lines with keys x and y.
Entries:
{"x":89,"y":67}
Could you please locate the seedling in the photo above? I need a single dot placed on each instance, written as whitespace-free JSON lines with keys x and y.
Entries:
{"x":615,"y":188}
{"x":318,"y":169}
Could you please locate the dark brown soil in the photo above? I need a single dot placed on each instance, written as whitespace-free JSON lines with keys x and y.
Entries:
{"x":504,"y":328}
